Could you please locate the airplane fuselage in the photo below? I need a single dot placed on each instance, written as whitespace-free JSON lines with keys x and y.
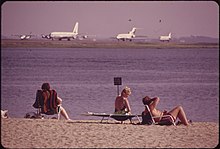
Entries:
{"x":128,"y":36}
{"x":63,"y":35}
{"x":165,"y":38}
{"x":125,"y":36}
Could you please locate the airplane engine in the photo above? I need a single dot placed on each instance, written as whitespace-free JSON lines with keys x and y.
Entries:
{"x":23,"y":37}
{"x":48,"y":37}
{"x":85,"y":36}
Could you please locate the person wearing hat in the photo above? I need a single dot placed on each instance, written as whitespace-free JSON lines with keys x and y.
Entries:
{"x":177,"y":112}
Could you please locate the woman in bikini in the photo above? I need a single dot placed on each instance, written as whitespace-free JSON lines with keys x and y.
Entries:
{"x":177,"y":112}
{"x":121,"y":102}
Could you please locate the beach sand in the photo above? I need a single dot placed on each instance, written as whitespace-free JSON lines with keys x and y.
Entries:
{"x":51,"y":133}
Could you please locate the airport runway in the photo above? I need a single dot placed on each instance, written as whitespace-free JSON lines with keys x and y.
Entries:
{"x":41,"y":43}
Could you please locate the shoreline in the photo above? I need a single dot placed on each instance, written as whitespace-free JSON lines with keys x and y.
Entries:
{"x":34,"y":43}
{"x":50,"y":133}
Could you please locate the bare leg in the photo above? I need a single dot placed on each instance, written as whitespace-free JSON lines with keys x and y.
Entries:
{"x":64,"y":113}
{"x":62,"y":110}
{"x":59,"y":100}
{"x":178,"y":112}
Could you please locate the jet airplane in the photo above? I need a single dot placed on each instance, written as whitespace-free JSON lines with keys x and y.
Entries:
{"x":63,"y":35}
{"x":24,"y":37}
{"x":165,"y":38}
{"x":127,"y":36}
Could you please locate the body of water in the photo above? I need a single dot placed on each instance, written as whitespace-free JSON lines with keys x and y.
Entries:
{"x":83,"y":78}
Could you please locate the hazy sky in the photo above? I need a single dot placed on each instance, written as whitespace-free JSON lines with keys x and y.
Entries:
{"x":108,"y":18}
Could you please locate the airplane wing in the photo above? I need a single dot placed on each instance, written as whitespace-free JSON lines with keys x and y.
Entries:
{"x":141,"y":36}
{"x":85,"y":36}
{"x":32,"y":35}
{"x":133,"y":38}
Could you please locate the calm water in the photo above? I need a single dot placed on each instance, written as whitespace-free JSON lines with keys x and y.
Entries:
{"x":83,"y":78}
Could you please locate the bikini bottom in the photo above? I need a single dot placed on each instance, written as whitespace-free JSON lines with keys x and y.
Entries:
{"x":170,"y":115}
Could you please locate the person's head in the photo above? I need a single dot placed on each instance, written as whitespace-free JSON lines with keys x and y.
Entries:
{"x":146,"y":100}
{"x":126,"y":92}
{"x":45,"y":86}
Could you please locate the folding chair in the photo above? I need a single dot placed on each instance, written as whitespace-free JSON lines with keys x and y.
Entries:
{"x":117,"y":117}
{"x":165,"y":119}
{"x":41,"y":114}
{"x":46,"y":106}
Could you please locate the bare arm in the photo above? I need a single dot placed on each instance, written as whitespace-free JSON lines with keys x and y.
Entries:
{"x":153,"y":109}
{"x":117,"y":105}
{"x":127,"y":105}
{"x":154,"y":102}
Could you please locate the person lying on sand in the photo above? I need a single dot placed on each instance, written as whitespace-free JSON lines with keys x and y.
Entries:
{"x":122,"y":105}
{"x":177,"y":112}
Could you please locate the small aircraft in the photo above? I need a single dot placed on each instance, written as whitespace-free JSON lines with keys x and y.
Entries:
{"x":64,"y":35}
{"x":127,"y":36}
{"x":165,"y":38}
{"x":24,"y":37}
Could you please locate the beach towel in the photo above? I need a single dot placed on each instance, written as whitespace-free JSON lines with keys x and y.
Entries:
{"x":46,"y":101}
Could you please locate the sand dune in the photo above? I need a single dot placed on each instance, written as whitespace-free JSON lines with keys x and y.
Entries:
{"x":29,"y":133}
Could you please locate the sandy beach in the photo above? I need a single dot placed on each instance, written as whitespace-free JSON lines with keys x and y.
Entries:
{"x":49,"y":133}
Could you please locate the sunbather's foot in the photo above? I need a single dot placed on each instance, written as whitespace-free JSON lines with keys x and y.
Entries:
{"x":179,"y":122}
{"x":138,"y":123}
{"x":69,"y":119}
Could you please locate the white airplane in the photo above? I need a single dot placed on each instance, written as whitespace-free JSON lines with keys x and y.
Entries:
{"x":45,"y":36}
{"x":128,"y":36}
{"x":63,"y":35}
{"x":165,"y":38}
{"x":24,"y":37}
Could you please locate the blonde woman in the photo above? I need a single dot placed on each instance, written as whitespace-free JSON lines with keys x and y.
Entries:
{"x":122,"y":105}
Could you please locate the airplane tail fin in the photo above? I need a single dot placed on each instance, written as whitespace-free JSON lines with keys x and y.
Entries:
{"x":133,"y":31}
{"x":169,"y":35}
{"x":75,"y":30}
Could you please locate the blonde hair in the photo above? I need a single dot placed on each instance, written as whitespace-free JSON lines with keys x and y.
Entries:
{"x":126,"y":90}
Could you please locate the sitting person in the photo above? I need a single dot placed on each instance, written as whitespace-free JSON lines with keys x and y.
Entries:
{"x":121,"y":102}
{"x":177,"y":112}
{"x":48,"y":101}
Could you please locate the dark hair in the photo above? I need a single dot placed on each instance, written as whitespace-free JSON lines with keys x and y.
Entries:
{"x":45,"y":86}
{"x":146,"y":100}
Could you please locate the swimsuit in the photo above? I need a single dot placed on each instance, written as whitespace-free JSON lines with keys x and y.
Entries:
{"x":165,"y":113}
{"x":122,"y":111}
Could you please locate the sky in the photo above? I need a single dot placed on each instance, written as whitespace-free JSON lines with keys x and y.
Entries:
{"x":109,"y":18}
